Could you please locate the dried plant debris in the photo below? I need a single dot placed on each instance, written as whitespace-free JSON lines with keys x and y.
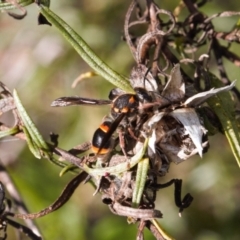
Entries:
{"x":157,"y":125}
{"x":164,"y":116}
{"x":30,"y":230}
{"x":163,"y":111}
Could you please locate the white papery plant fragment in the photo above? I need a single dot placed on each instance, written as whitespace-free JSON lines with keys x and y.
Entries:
{"x":190,"y":120}
{"x":199,"y":98}
{"x":152,"y":126}
{"x":141,"y":77}
{"x":189,"y":129}
{"x":175,"y":87}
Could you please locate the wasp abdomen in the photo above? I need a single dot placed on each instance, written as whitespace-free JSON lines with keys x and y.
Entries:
{"x":98,"y":146}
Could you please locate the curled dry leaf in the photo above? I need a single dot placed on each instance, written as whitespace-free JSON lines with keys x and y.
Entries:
{"x":177,"y":130}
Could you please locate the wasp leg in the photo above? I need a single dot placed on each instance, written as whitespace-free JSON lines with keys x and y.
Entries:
{"x":122,"y":142}
{"x":132,"y":134}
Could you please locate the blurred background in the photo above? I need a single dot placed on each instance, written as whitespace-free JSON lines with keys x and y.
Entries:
{"x":41,"y":65}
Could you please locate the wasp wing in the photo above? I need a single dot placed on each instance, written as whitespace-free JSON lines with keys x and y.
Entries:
{"x":68,"y":101}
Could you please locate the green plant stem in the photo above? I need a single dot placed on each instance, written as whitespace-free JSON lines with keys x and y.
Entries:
{"x":142,"y":170}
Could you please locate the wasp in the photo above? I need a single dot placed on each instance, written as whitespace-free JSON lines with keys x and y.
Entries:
{"x":123,"y":106}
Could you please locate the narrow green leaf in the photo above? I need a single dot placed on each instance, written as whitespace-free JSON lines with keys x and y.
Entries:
{"x":142,"y":170}
{"x":35,"y":141}
{"x":122,"y":167}
{"x":9,"y":132}
{"x":223,"y":106}
{"x":85,"y":51}
{"x":31,"y":144}
{"x":34,"y":134}
{"x":9,"y":5}
{"x":67,"y":168}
